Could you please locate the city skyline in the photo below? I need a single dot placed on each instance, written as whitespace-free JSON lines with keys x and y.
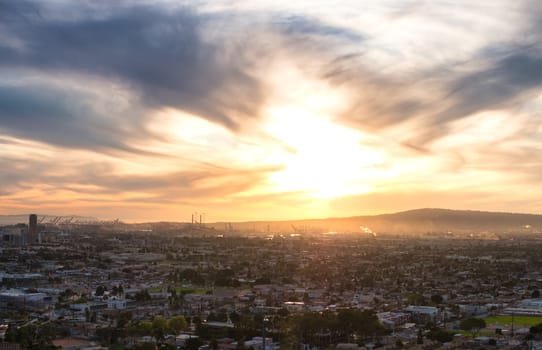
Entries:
{"x":246,"y":110}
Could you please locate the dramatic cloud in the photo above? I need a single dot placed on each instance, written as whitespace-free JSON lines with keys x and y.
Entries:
{"x":64,"y":117}
{"x":262,"y":107}
{"x":161,"y":55}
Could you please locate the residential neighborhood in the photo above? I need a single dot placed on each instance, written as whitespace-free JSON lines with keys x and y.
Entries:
{"x":204,"y":289}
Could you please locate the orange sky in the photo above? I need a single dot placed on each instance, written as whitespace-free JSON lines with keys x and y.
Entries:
{"x":253,"y":110}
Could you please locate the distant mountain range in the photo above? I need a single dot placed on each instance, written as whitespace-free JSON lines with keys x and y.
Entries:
{"x":421,"y":221}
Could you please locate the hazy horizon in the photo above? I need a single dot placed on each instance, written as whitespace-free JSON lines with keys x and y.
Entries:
{"x":436,"y":213}
{"x":269,"y":110}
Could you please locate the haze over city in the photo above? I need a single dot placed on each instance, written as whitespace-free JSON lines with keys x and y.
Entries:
{"x":269,"y":110}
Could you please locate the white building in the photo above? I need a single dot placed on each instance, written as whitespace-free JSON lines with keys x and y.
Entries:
{"x":116,"y":303}
{"x":532,"y":303}
{"x":257,"y":344}
{"x":422,"y":313}
{"x":527,"y":307}
{"x":19,"y":299}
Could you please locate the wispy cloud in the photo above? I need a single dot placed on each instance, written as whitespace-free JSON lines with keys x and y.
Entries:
{"x":161,"y":55}
{"x":421,"y":82}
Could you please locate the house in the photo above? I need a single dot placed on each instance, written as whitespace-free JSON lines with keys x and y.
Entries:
{"x":116,"y":303}
{"x":422,"y":314}
{"x":392,"y":320}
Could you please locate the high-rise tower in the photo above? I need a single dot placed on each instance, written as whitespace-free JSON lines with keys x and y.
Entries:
{"x":32,"y":237}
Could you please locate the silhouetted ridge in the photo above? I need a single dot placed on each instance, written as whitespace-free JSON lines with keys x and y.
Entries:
{"x":418,"y":221}
{"x":412,"y":221}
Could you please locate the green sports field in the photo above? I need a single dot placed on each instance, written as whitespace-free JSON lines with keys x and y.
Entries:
{"x":517,"y":320}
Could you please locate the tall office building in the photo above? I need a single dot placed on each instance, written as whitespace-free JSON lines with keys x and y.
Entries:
{"x":32,"y":237}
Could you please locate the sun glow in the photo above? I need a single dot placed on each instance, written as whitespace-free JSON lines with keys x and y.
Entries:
{"x":326,"y":160}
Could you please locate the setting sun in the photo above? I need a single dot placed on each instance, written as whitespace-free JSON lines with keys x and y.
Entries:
{"x":325,"y":160}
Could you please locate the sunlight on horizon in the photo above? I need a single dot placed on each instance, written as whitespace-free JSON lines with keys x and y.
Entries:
{"x":327,"y":160}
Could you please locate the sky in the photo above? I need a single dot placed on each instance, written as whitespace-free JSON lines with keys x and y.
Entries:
{"x":271,"y":109}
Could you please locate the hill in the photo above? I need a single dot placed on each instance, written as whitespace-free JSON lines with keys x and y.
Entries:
{"x":412,"y":221}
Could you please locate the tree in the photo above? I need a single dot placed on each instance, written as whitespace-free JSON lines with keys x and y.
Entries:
{"x":192,"y":343}
{"x":123,"y":318}
{"x":240,"y":344}
{"x":536,"y":329}
{"x":66,"y":294}
{"x":283,"y":312}
{"x":143,"y":328}
{"x":419,"y":337}
{"x":190,"y":275}
{"x":535,"y":294}
{"x":142,"y":295}
{"x":100,"y":290}
{"x":363,"y":323}
{"x":345,"y":325}
{"x":159,"y":327}
{"x":440,"y":335}
{"x":220,"y":316}
{"x":11,"y":334}
{"x":235,"y":317}
{"x":177,"y":324}
{"x":437,"y":299}
{"x":472,"y":325}
{"x":33,"y":336}
{"x":307,"y":325}
{"x":306,"y":298}
{"x":416,"y":299}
